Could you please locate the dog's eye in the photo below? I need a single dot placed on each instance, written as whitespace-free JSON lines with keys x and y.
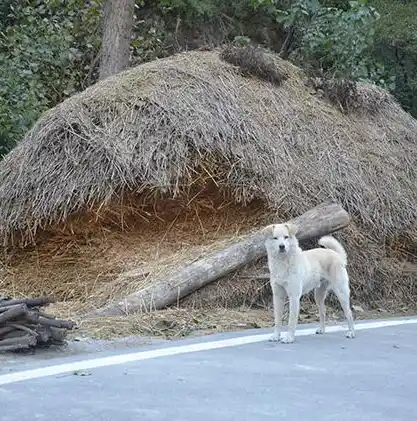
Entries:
{"x":286,"y":237}
{"x":275,"y":238}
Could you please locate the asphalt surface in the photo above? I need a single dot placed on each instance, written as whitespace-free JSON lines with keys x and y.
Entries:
{"x":318,"y":378}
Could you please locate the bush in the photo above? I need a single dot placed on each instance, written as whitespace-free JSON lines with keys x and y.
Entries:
{"x":396,"y":47}
{"x":44,"y":58}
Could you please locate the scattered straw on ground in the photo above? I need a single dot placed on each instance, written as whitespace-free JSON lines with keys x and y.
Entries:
{"x":180,"y":323}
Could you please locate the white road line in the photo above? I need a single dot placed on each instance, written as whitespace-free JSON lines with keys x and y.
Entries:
{"x":176,"y":350}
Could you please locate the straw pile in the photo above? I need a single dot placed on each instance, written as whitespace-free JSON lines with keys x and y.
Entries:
{"x":154,"y":167}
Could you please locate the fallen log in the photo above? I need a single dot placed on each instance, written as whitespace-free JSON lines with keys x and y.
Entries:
{"x":323,"y":219}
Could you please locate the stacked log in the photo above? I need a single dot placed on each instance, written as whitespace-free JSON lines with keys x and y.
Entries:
{"x":23,"y":325}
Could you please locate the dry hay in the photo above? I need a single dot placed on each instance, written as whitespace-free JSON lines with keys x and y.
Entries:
{"x":254,"y":61}
{"x":100,"y":178}
{"x":176,"y":323}
{"x":91,"y":260}
{"x":173,"y":323}
{"x":350,"y":95}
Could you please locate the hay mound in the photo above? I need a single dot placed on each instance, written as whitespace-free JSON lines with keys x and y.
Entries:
{"x":110,"y":177}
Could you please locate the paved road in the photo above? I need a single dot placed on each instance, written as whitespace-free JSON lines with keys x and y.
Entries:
{"x":318,"y":378}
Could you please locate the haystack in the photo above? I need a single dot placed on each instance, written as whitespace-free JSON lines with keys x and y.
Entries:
{"x":152,"y":168}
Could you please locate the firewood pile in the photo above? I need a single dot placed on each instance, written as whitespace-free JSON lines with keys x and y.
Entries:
{"x":23,"y":325}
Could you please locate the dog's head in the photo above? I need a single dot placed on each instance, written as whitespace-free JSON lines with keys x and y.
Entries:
{"x":282,"y":237}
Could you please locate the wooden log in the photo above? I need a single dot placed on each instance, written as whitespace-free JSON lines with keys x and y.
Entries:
{"x":44,"y":334}
{"x":46,"y":315}
{"x":32,"y":317}
{"x":22,"y":327}
{"x":36,"y":318}
{"x":5,"y":329}
{"x":16,"y":333}
{"x":321,"y":220}
{"x":5,"y":308}
{"x":13,"y":312}
{"x":15,"y":347}
{"x":57,"y":334}
{"x":36,"y":302}
{"x":62,"y":324}
{"x":19,"y":342}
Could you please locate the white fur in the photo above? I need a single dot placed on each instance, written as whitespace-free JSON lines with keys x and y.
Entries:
{"x":294,"y":272}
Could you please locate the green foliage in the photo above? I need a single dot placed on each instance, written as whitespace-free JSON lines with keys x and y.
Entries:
{"x":396,"y":47}
{"x":333,"y":38}
{"x":165,"y":27}
{"x":45,"y":52}
{"x":339,"y":43}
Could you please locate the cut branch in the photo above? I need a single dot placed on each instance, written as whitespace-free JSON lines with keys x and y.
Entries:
{"x":13,"y":312}
{"x":19,"y":341}
{"x":321,"y":220}
{"x":37,"y":302}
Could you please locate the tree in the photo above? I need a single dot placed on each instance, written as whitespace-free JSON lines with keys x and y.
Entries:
{"x":46,"y":52}
{"x":396,"y":47}
{"x":332,"y":38}
{"x":117,"y":32}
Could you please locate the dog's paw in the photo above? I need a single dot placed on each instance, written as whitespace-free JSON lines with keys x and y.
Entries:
{"x":274,"y":337}
{"x":320,"y":330}
{"x":350,"y":334}
{"x":287,"y":339}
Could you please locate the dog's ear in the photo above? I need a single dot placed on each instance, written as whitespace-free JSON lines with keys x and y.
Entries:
{"x":268,"y":229}
{"x":292,"y":229}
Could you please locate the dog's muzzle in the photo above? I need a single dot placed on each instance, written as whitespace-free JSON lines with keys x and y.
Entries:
{"x":282,"y":248}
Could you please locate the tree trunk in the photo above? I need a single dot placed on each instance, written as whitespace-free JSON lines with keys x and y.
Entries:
{"x":321,"y":220}
{"x":117,"y":30}
{"x":286,"y":46}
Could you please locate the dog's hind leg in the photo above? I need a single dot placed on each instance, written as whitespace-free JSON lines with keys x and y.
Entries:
{"x":320,"y":294}
{"x":278,"y":295}
{"x":342,"y":292}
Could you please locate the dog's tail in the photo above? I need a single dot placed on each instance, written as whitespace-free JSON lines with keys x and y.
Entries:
{"x":331,"y":243}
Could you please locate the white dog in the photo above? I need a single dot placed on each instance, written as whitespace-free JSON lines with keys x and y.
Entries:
{"x":295,"y":272}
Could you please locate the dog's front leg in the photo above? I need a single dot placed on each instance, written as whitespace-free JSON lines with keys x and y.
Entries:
{"x":278,"y":295}
{"x":293,"y":318}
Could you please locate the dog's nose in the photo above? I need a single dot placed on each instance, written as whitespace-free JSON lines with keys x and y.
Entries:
{"x":282,"y":247}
